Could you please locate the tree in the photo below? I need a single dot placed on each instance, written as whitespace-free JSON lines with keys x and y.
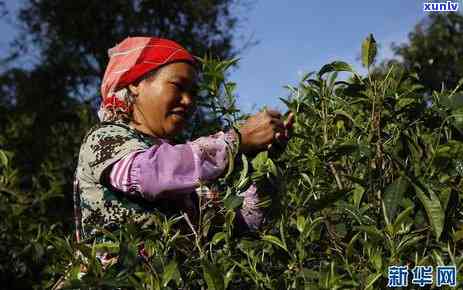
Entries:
{"x":47,"y":105}
{"x":434,"y":50}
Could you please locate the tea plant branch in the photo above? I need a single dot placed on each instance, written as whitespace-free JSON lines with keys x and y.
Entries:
{"x":323,"y":96}
{"x":456,"y":89}
{"x":151,"y":269}
{"x":336,"y":175}
{"x":197,"y":241}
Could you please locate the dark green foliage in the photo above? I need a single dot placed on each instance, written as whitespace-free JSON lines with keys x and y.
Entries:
{"x":371,"y":178}
{"x":434,"y":50}
{"x":27,"y":232}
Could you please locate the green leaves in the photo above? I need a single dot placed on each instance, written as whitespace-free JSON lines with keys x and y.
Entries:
{"x":404,"y":102}
{"x":3,"y":159}
{"x":369,"y":51}
{"x":276,"y":241}
{"x":213,"y":276}
{"x":263,"y":167}
{"x":335,"y":66}
{"x":371,"y":279}
{"x":233,"y":202}
{"x":243,"y":180}
{"x":393,"y":195}
{"x":171,"y":272}
{"x":218,"y":237}
{"x":432,"y":205}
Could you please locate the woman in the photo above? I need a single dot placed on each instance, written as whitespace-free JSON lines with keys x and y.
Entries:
{"x":127,"y":167}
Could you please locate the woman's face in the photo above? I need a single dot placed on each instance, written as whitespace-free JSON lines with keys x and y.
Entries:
{"x":164,"y":102}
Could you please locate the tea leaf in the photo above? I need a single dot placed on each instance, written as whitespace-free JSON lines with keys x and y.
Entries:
{"x":276,"y":241}
{"x":371,"y":279}
{"x":368,"y":51}
{"x":350,"y":246}
{"x":335,"y":66}
{"x":233,"y":202}
{"x":403,"y":102}
{"x":213,"y":276}
{"x":357,"y":195}
{"x":393,"y":195}
{"x":433,"y":208}
{"x":401,"y":218}
{"x":170,"y":272}
{"x":243,"y":179}
{"x":300,"y":223}
{"x":218,"y":237}
{"x":372,"y":232}
{"x":3,"y":159}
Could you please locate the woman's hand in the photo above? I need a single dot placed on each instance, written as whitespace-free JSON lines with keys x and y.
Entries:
{"x":283,"y":137}
{"x":262,"y":129}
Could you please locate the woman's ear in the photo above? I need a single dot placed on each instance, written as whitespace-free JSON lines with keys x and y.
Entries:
{"x":134,"y":89}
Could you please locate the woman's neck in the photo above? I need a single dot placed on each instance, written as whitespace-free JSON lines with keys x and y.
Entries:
{"x":144,"y":129}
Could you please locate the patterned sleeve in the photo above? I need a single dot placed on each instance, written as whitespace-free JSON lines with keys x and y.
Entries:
{"x":105,"y":146}
{"x":174,"y":168}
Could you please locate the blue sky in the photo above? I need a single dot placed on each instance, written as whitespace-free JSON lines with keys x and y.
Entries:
{"x":299,"y":36}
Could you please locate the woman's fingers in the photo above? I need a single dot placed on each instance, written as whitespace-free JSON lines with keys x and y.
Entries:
{"x":287,"y":126}
{"x":273,"y":113}
{"x":289,"y":121}
{"x":262,"y":129}
{"x":278,"y":124}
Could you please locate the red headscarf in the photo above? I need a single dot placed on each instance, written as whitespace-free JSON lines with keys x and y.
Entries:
{"x":131,"y":59}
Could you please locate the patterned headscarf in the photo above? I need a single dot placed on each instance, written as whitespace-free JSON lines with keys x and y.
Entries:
{"x":129,"y":61}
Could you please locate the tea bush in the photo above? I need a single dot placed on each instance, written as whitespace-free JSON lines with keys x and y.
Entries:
{"x":372,"y":177}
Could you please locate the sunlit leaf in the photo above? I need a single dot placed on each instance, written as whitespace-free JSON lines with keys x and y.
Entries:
{"x":218,"y":237}
{"x":170,"y":272}
{"x":274,"y":240}
{"x":371,"y":279}
{"x":300,"y":223}
{"x":3,"y":159}
{"x":434,"y":211}
{"x":368,"y":51}
{"x":335,"y":66}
